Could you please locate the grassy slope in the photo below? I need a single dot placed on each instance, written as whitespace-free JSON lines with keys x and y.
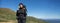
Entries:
{"x":7,"y":14}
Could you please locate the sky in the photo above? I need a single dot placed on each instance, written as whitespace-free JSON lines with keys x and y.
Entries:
{"x":43,"y":9}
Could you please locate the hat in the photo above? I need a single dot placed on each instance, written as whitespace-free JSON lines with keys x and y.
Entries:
{"x":20,"y":4}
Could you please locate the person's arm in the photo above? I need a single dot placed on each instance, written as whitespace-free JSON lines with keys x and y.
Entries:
{"x":17,"y":13}
{"x":25,"y":12}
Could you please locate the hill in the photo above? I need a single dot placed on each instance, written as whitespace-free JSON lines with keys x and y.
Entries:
{"x":8,"y":14}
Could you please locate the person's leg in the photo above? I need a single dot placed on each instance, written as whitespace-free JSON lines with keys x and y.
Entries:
{"x":19,"y":21}
{"x":24,"y":20}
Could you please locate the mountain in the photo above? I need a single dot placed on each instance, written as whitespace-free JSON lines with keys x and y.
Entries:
{"x":53,"y":20}
{"x":7,"y":14}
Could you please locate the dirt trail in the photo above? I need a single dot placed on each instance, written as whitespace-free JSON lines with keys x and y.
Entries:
{"x":11,"y":21}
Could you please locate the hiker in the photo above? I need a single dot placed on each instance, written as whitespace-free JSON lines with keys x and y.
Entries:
{"x":21,"y":14}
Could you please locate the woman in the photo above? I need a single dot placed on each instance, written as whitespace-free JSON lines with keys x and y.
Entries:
{"x":21,"y":14}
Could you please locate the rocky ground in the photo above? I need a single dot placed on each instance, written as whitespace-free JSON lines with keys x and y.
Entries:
{"x":10,"y":21}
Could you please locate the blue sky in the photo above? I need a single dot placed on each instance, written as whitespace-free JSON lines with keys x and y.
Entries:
{"x":44,"y":9}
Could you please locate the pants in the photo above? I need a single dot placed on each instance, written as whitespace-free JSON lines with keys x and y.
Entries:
{"x":21,"y":20}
